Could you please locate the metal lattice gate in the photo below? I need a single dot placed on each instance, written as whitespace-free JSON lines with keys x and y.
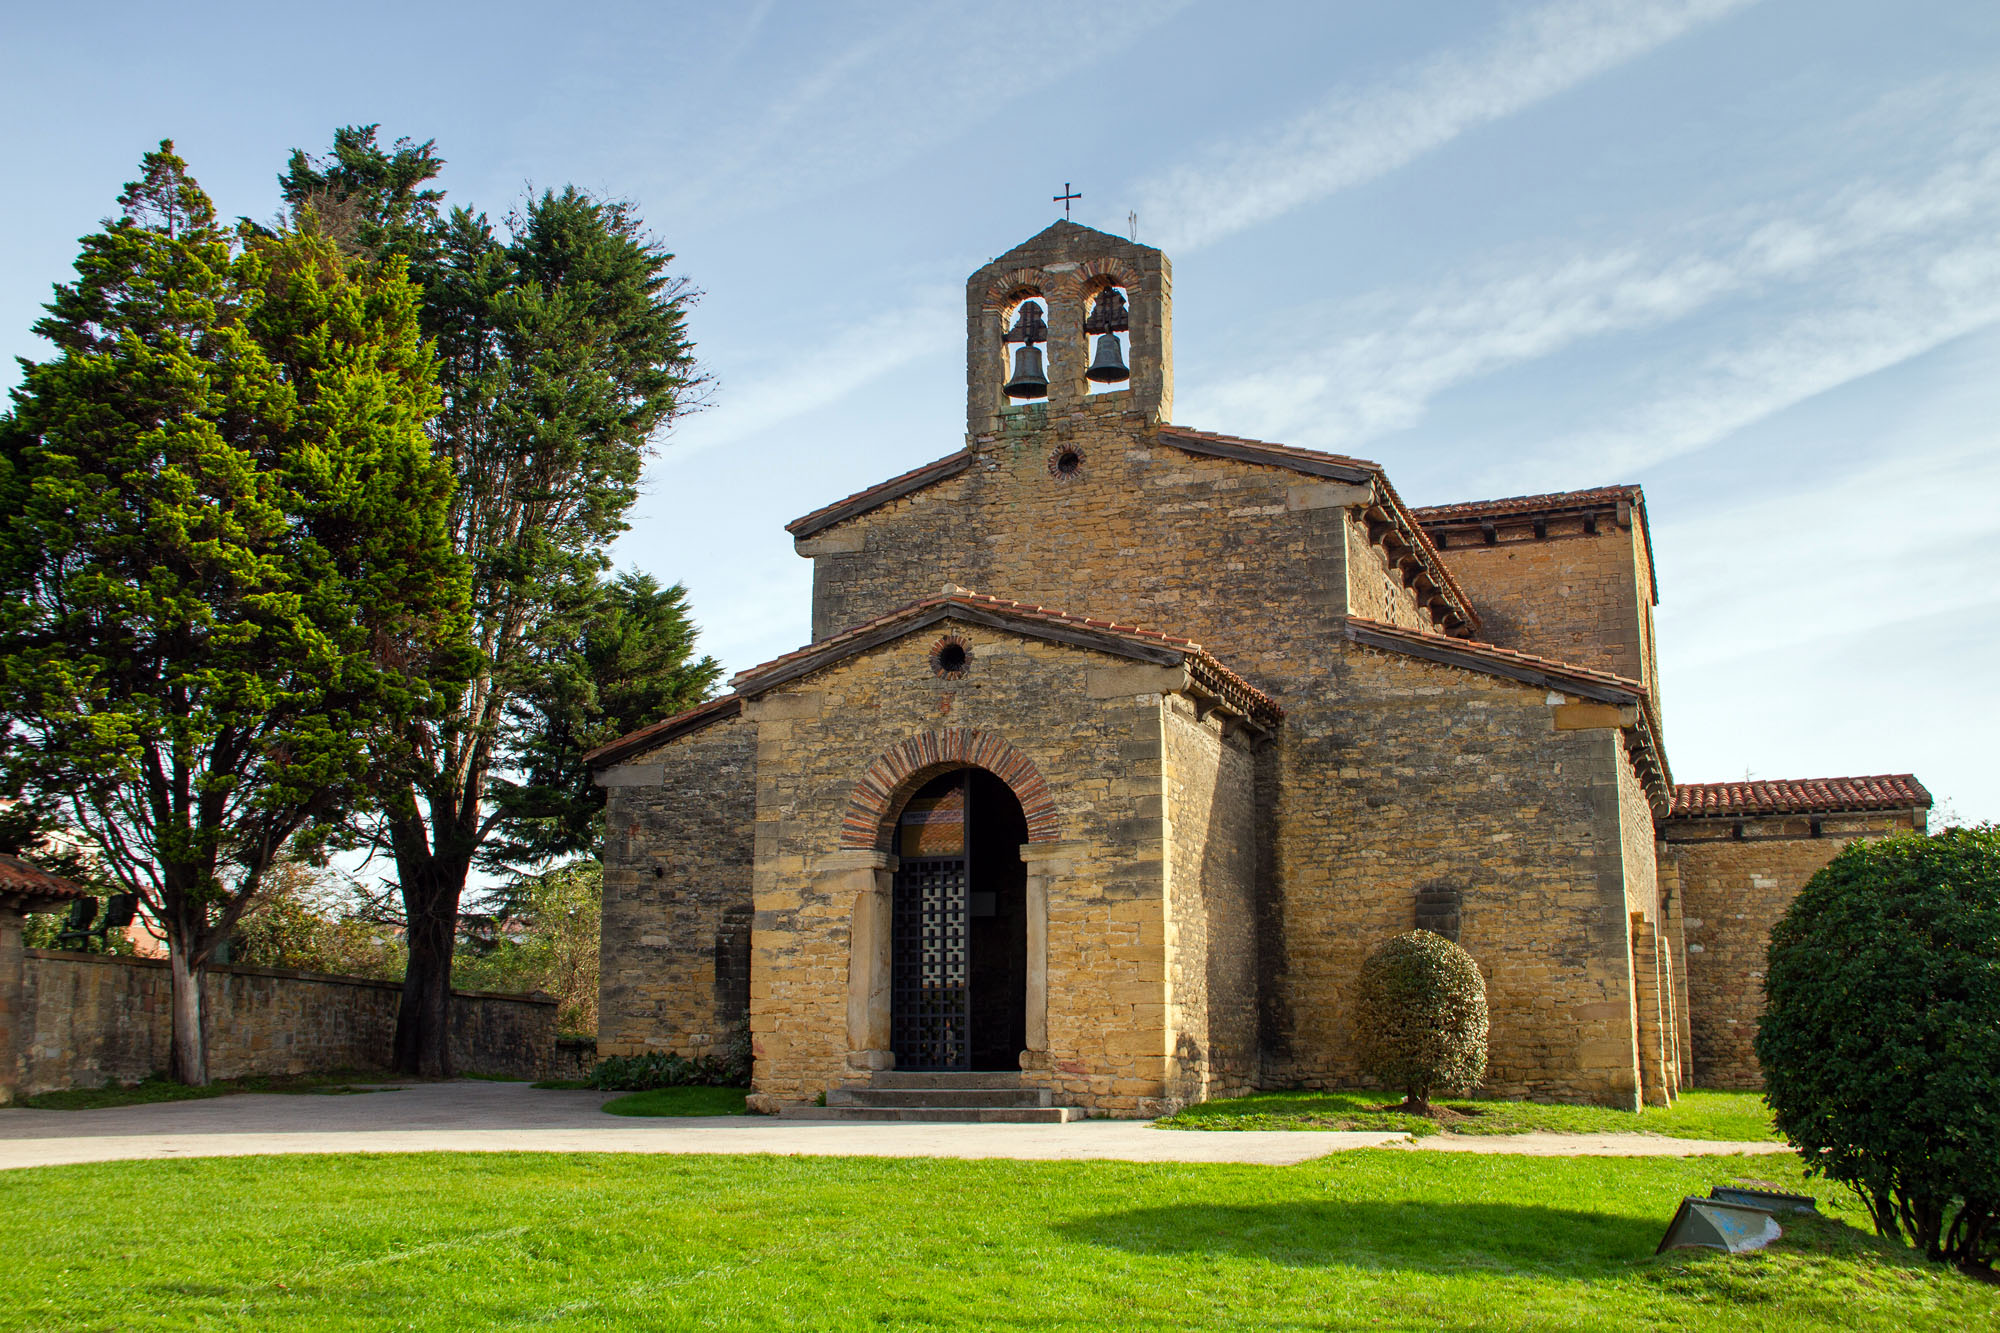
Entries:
{"x":931,"y":1002}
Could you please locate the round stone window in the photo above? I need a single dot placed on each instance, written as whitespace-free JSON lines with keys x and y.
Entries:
{"x":950,"y":658}
{"x":1066,"y":462}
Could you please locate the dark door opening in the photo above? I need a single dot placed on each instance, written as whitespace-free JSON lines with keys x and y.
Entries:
{"x":959,"y":952}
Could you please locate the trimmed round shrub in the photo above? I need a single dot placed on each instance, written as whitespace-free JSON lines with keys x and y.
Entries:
{"x":1880,"y":1039}
{"x":1422,"y":1018}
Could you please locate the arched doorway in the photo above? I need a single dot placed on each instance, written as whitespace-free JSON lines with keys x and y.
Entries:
{"x":959,"y":926}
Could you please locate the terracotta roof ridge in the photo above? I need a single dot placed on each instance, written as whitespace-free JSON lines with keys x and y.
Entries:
{"x":1299,"y":451}
{"x":748,"y":681}
{"x":22,"y":876}
{"x":665,"y":727}
{"x":915,"y":474}
{"x":1479,"y":647}
{"x":953,"y":593}
{"x":1528,"y":503}
{"x":1876,"y":791}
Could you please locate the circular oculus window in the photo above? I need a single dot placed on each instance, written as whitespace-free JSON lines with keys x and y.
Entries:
{"x":1066,"y":462}
{"x":950,"y":658}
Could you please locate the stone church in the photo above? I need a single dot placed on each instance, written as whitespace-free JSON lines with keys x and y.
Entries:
{"x":1119,"y":745}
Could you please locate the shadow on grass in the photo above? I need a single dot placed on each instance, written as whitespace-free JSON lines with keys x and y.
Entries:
{"x":1422,"y":1237}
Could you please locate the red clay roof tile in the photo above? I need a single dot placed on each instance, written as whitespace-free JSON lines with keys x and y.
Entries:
{"x":1495,"y":653}
{"x":1529,"y":504}
{"x":19,"y":876}
{"x":1784,"y":796}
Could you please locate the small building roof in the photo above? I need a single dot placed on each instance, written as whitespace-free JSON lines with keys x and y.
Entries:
{"x":1515,"y":508}
{"x":1800,"y":796}
{"x":26,"y":887}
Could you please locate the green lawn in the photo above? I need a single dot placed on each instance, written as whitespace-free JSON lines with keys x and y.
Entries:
{"x":680,"y":1101}
{"x":1383,"y":1238}
{"x":1740,"y":1117}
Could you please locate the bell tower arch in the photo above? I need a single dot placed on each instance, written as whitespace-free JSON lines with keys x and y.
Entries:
{"x":1071,"y":288}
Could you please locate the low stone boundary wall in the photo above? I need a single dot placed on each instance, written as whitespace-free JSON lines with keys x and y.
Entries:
{"x":575,"y":1057}
{"x":92,"y":1018}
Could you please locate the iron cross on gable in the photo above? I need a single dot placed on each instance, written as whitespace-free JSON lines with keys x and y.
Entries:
{"x":1064,"y":199}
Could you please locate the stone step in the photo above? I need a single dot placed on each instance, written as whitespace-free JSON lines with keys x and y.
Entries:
{"x":963,"y":1115}
{"x":943,"y":1078}
{"x":859,"y":1094}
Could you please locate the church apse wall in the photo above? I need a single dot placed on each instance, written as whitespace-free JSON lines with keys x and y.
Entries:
{"x":1408,"y":776}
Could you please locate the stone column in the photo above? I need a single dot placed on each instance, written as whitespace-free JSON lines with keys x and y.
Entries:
{"x":1048,"y":863}
{"x":13,"y":1003}
{"x":1651,"y":1031}
{"x":870,"y":877}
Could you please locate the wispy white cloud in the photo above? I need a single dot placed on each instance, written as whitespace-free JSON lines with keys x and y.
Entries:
{"x":1928,"y":553}
{"x":914,"y":78}
{"x":804,"y":380}
{"x":1357,"y":135}
{"x":1804,"y":298}
{"x":1889,"y":316}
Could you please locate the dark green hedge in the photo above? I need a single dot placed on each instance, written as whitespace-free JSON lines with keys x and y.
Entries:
{"x":729,"y":1068}
{"x":1880,"y":1039}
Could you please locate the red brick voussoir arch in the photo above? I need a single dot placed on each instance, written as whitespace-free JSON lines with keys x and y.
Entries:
{"x":908,"y":765}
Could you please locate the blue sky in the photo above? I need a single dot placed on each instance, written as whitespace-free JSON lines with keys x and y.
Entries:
{"x":1746,"y":254}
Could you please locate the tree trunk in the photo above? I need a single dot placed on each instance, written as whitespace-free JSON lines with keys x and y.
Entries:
{"x":189,"y":1058}
{"x":423,"y":1020}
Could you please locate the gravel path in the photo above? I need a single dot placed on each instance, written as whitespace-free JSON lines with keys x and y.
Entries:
{"x":474,"y":1116}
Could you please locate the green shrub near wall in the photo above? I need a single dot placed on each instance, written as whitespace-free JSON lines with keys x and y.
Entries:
{"x":1421,"y":1023}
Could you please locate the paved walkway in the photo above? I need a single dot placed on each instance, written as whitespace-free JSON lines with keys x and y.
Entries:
{"x":512,"y":1117}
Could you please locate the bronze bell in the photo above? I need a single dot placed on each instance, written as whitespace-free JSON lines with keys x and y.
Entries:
{"x":1108,"y":366}
{"x":1028,"y":380}
{"x":1029,"y":327}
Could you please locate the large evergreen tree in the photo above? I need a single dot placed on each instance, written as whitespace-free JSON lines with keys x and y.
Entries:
{"x":562,"y":352}
{"x":633,"y":664}
{"x":228,"y":569}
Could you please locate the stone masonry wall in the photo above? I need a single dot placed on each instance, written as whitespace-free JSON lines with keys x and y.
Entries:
{"x":1582,"y":599}
{"x":1408,"y":775}
{"x":1088,"y":725}
{"x":1211,"y":893}
{"x":1734,"y":890}
{"x":675,"y":967}
{"x":97,"y":1018}
{"x":1142,"y":533}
